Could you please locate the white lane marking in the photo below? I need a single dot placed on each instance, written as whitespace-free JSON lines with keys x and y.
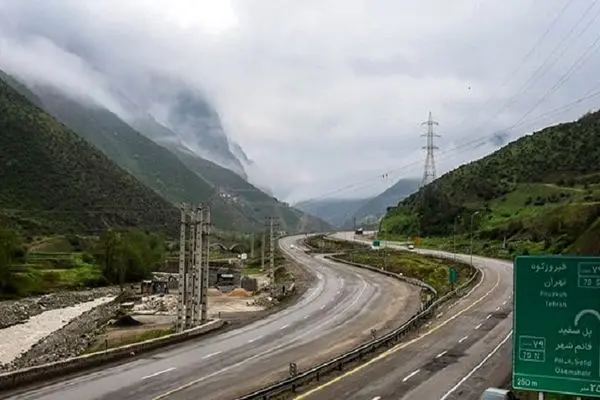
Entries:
{"x":283,"y":327}
{"x":323,"y":306}
{"x":254,"y":340}
{"x":478,"y":326}
{"x":504,"y":303}
{"x":441,"y":354}
{"x":376,"y":398}
{"x":462,"y":339}
{"x":306,"y":316}
{"x":410,"y":375}
{"x":489,"y":316}
{"x":439,"y":315}
{"x":497,"y":308}
{"x":158,"y":373}
{"x":466,"y":377}
{"x":211,"y":355}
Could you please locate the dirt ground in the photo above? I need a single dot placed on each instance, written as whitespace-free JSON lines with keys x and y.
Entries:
{"x":157,"y":313}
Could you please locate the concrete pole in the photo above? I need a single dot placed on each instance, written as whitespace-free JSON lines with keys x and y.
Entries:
{"x":197,"y":312}
{"x":271,"y":253}
{"x":205,"y":262}
{"x":181,"y":289}
{"x":471,"y":251}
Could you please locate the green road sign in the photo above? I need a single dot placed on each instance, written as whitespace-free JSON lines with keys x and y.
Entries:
{"x":452,"y":275}
{"x":376,"y":243}
{"x":556,"y":322}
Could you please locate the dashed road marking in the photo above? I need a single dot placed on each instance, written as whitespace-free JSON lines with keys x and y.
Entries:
{"x":407,"y":377}
{"x":441,"y":354}
{"x":283,"y":327}
{"x":478,"y":326}
{"x":211,"y":355}
{"x":254,"y":340}
{"x":477,"y":367}
{"x":158,"y":373}
{"x":489,"y":316}
{"x":462,"y":339}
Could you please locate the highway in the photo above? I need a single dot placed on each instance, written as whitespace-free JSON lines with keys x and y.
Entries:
{"x":457,"y":356}
{"x":335,"y":314}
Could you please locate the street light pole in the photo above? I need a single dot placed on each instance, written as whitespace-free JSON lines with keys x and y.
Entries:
{"x":454,"y":235}
{"x":471,"y":251}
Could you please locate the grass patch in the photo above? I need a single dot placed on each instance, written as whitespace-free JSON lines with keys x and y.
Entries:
{"x":324,"y":244}
{"x":251,"y":270}
{"x":431,"y":270}
{"x":118,"y":341}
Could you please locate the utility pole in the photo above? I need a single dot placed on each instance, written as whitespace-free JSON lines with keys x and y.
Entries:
{"x":271,"y":253}
{"x":429,"y":173}
{"x":271,"y":223}
{"x":204,"y":264}
{"x":454,"y":235}
{"x":197,"y":266}
{"x":182,"y":259}
{"x":262,"y":252}
{"x":252,"y":245}
{"x":190,"y":274}
{"x":471,"y":251}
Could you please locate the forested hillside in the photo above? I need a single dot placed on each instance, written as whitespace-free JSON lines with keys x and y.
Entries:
{"x":543,"y":189}
{"x":54,"y":181}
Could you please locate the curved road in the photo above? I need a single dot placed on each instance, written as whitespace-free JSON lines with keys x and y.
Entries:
{"x":339,"y":311}
{"x":463,"y":351}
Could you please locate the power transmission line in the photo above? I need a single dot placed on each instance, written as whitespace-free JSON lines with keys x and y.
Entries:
{"x":510,"y":76}
{"x":465,"y":146}
{"x":429,"y":173}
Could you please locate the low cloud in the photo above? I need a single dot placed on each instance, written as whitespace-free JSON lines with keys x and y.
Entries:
{"x":318,"y":93}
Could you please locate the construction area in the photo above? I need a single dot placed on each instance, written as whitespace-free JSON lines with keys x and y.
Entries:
{"x":199,"y":292}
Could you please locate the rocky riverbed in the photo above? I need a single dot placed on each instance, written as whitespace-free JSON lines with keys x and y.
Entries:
{"x":54,"y":334}
{"x":14,"y":312}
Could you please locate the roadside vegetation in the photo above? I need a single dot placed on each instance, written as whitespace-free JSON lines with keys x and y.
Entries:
{"x":431,"y":270}
{"x":72,"y":262}
{"x":321,"y":244}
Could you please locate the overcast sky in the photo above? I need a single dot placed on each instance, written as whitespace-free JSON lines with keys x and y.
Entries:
{"x":323,"y":94}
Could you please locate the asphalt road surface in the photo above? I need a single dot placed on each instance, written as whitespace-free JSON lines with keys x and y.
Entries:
{"x":338,"y":312}
{"x":465,"y":350}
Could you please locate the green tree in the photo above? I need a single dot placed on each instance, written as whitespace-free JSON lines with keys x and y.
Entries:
{"x":130,"y":255}
{"x":10,"y":252}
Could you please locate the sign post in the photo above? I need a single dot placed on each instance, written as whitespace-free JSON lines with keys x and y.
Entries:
{"x":556,"y":322}
{"x":452,"y":276}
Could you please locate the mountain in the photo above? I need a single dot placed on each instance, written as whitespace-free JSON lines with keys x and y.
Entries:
{"x":334,"y":211}
{"x":375,"y":208}
{"x":152,"y":164}
{"x":233,"y":189}
{"x":190,"y":118}
{"x":172,"y":170}
{"x":54,"y":181}
{"x":542,"y":190}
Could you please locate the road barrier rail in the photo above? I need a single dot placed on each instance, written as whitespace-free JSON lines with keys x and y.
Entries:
{"x":388,"y":340}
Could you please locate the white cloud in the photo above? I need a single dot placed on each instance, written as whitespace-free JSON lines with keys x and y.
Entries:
{"x":320,"y":93}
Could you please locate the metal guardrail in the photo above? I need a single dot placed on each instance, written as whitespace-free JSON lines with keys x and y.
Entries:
{"x":389,"y":339}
